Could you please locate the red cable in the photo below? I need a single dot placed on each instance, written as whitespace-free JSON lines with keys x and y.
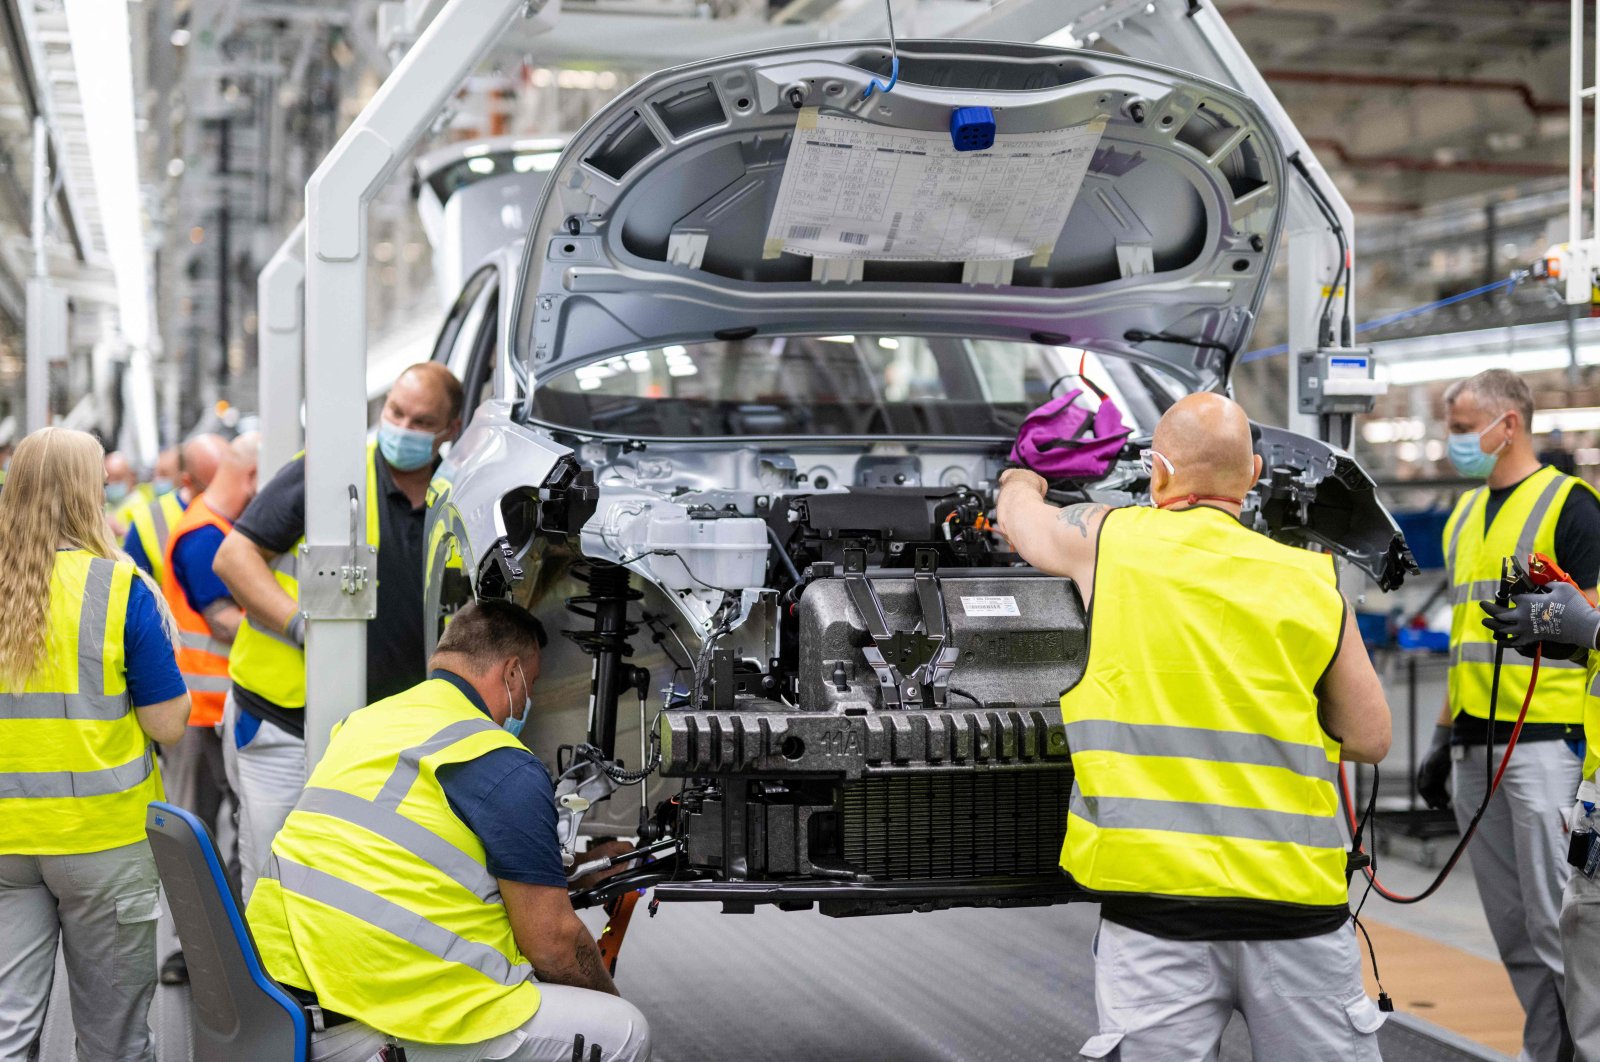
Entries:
{"x":1455,"y":857}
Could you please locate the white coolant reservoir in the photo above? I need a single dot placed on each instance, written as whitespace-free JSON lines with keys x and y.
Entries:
{"x":683,"y":551}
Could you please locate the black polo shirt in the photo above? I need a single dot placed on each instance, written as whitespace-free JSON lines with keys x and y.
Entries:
{"x":276,"y":521}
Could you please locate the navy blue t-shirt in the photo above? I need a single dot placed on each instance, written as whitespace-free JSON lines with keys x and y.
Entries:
{"x":151,"y":663}
{"x":506,"y":798}
{"x":133,"y":546}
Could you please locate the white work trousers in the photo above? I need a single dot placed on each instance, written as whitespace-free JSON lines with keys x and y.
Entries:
{"x":1519,"y":858}
{"x":1170,"y":1000}
{"x":101,"y":909}
{"x":268,"y":774}
{"x":552,"y":1035}
{"x":1580,"y":946}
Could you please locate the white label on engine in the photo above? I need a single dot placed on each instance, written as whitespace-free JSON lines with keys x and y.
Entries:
{"x":990,"y":606}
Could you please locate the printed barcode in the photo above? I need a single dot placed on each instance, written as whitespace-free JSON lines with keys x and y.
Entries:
{"x":804,"y":232}
{"x":857,"y":238}
{"x":894,"y":230}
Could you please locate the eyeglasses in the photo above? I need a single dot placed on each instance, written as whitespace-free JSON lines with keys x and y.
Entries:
{"x":1147,"y":461}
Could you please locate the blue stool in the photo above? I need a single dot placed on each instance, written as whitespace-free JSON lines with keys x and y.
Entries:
{"x":236,"y":1010}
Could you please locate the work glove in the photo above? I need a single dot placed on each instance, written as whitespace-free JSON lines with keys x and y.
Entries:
{"x":297,"y":629}
{"x":1433,"y":776}
{"x":1562,"y":616}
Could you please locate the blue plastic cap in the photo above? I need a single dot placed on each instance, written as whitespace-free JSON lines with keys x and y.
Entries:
{"x":972,"y":128}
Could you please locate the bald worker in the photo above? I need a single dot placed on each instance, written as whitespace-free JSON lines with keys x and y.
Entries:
{"x":266,"y":713}
{"x":150,"y":525}
{"x":195,"y":772}
{"x":1225,"y":681}
{"x":121,"y":483}
{"x":164,"y":477}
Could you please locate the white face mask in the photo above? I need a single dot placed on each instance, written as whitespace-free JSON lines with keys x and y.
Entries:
{"x":514,"y":723}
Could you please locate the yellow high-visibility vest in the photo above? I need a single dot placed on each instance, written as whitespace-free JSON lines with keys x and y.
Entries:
{"x":154,"y":522}
{"x":1201,"y":769}
{"x":76,"y":770}
{"x":378,"y":898}
{"x":268,"y":663}
{"x":1525,"y":523}
{"x":1591,"y":718}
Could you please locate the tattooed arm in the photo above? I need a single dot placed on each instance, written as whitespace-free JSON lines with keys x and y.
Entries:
{"x":1052,"y":539}
{"x":550,"y":934}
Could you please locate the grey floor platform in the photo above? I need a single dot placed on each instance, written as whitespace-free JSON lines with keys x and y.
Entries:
{"x":962,"y":986}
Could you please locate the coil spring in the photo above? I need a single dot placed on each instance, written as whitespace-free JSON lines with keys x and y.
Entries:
{"x":607,"y":584}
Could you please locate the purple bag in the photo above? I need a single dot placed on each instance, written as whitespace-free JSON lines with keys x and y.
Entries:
{"x":1063,"y":439}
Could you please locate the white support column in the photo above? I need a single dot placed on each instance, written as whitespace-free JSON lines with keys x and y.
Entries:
{"x":337,"y":198}
{"x":281,"y":291}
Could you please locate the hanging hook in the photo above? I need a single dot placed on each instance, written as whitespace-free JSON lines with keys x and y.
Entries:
{"x":894,"y":57}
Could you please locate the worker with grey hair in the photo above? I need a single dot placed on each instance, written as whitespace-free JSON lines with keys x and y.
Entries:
{"x":416,"y":895}
{"x":1519,"y":859}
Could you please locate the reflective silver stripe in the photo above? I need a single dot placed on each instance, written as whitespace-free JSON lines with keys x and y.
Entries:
{"x":1210,"y":820}
{"x":77,"y":706}
{"x":206,"y":683}
{"x":405,"y":772}
{"x":418,"y":840}
{"x":1455,"y":536}
{"x":43,"y":784}
{"x":1530,"y":530}
{"x":356,"y":902}
{"x":1594,"y":687}
{"x":1481,"y":590}
{"x":158,"y":515}
{"x":203,"y":642}
{"x":92,"y":626}
{"x":287,"y":563}
{"x":277,"y":636}
{"x":1222,"y":746}
{"x":1483,"y":653}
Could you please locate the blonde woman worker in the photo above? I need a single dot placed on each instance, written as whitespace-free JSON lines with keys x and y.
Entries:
{"x":88,"y":681}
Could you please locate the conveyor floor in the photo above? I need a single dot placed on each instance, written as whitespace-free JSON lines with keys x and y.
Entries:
{"x":973,"y":986}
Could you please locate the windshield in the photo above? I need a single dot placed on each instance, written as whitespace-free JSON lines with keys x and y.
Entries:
{"x":839,"y":385}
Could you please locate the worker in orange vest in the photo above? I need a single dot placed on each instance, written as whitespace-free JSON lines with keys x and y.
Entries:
{"x":207,"y":620}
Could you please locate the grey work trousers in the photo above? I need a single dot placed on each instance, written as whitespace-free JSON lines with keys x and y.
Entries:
{"x":102,"y":908}
{"x":551,"y":1035}
{"x":1170,"y":1000}
{"x":1580,"y":947}
{"x":268,"y":774}
{"x":1519,"y":858}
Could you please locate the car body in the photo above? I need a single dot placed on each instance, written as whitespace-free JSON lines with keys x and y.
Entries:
{"x":751,"y":486}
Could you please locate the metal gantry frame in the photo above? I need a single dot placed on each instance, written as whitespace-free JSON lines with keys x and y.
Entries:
{"x":337,"y":197}
{"x":281,"y":292}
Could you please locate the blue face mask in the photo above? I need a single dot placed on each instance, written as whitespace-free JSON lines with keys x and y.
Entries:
{"x":163,"y":486}
{"x":116,"y":492}
{"x":404,"y":448}
{"x":1469,"y":457}
{"x":513,"y":725}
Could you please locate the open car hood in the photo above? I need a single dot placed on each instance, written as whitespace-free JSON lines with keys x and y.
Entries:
{"x":658,"y":225}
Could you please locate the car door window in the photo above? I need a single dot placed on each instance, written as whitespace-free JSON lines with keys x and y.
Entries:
{"x":458,"y":337}
{"x":478,"y":379}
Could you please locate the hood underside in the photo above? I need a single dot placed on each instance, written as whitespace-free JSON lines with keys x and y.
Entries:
{"x":1122,"y":207}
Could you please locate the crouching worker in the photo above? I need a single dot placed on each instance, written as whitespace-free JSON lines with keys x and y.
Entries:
{"x":1224,"y":683}
{"x":416,"y":890}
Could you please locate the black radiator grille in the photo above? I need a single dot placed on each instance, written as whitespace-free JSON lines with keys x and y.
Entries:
{"x":961,"y":825}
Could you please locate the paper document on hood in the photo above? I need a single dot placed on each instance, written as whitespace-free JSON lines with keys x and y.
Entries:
{"x":855,"y":190}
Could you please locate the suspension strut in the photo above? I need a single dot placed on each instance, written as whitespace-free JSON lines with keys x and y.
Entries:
{"x":606,"y":605}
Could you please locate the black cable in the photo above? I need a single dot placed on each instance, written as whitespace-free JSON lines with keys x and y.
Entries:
{"x":959,"y":692}
{"x":1139,"y":335}
{"x":783,"y":555}
{"x":1325,"y":208}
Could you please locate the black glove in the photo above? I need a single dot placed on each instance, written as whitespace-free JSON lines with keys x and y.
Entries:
{"x":1561,"y":615}
{"x":1433,"y":777}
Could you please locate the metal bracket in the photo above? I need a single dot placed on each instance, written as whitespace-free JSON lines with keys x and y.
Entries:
{"x":340,"y":582}
{"x":927,"y":648}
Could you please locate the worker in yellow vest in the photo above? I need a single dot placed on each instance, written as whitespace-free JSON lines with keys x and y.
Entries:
{"x":1225,"y":681}
{"x":87,"y":683}
{"x":1560,"y":621}
{"x":123,"y":491}
{"x":425,"y":844}
{"x":150,"y":525}
{"x":1519,"y":857}
{"x":196,"y":771}
{"x":264,"y":723}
